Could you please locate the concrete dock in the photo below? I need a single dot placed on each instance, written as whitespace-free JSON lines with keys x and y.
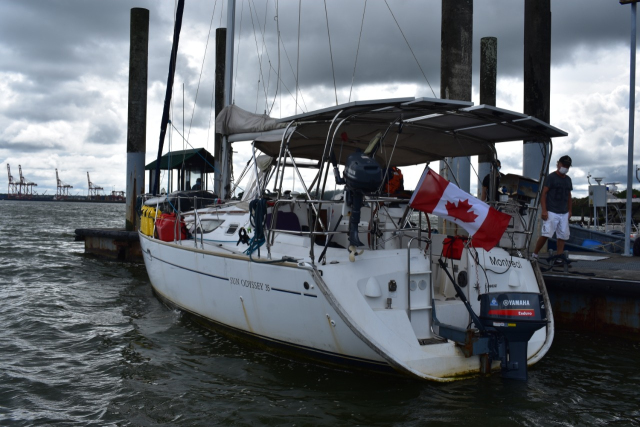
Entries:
{"x":111,"y":243}
{"x":598,"y":294}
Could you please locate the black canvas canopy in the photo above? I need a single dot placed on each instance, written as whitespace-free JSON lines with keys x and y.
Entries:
{"x":196,"y":159}
{"x":190,"y":164}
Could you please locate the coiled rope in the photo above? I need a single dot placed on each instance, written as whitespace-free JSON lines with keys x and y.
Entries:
{"x":257,"y":216}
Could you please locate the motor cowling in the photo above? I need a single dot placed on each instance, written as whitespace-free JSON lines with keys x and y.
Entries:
{"x":516,"y":316}
{"x":362,"y":174}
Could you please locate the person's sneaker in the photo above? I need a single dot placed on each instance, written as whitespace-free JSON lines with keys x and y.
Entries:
{"x":533,"y":257}
{"x":558,"y":261}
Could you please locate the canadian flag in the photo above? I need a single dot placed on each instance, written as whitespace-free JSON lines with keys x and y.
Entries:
{"x":437,"y":196}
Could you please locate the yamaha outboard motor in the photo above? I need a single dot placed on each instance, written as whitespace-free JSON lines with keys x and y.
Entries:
{"x":515,"y":316}
{"x":362,"y":174}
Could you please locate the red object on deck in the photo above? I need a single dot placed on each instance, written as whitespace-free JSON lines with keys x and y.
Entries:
{"x":452,"y":247}
{"x":166,"y":227}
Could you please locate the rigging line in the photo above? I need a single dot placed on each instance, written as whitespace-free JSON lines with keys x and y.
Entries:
{"x":284,"y":85}
{"x":266,"y":101}
{"x":298,"y":55}
{"x":275,"y":95}
{"x":261,"y":54}
{"x":358,"y":49}
{"x":326,"y":14}
{"x":386,"y":170}
{"x":286,"y":53}
{"x":409,"y":46}
{"x":453,"y":175}
{"x":211,"y":110}
{"x":257,"y":53}
{"x":187,"y":142}
{"x":204,"y":56}
{"x":175,"y":6}
{"x":262,"y":28}
{"x":264,"y":50}
{"x":235,"y":80}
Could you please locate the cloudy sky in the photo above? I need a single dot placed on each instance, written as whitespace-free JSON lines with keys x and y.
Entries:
{"x":64,"y":75}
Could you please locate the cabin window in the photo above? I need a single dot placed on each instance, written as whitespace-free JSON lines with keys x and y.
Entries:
{"x":232,"y":228}
{"x":208,"y":225}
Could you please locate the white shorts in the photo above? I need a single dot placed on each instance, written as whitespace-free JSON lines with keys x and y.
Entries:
{"x":556,"y":223}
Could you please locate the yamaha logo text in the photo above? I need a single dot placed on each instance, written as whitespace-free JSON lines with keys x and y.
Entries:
{"x":512,"y":302}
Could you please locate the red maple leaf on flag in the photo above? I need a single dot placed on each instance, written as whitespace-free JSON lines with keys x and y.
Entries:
{"x":461,"y":211}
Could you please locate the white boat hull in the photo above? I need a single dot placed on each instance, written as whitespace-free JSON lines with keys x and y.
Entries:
{"x":342,"y":311}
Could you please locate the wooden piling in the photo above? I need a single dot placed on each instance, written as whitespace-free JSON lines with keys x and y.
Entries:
{"x":455,"y":67}
{"x":537,"y":76}
{"x":137,"y":114}
{"x":488,"y":79}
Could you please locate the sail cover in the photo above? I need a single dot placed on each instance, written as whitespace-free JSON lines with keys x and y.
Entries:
{"x":234,"y":120}
{"x":416,"y":130}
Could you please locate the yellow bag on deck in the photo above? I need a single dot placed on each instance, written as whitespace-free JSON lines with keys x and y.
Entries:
{"x":147,"y":220}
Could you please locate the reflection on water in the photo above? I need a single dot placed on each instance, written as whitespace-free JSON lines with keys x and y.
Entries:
{"x":85,"y":342}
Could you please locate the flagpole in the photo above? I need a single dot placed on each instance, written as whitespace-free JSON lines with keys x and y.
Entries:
{"x":632,"y":101}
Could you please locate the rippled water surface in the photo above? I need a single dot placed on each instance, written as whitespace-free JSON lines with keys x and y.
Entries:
{"x":85,"y":342}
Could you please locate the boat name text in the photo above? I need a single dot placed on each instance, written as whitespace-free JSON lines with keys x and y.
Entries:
{"x":504,"y":262}
{"x":250,"y":284}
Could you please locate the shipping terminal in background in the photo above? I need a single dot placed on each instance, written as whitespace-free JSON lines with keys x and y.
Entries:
{"x":22,"y":189}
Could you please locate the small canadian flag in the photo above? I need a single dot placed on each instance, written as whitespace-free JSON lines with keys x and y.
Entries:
{"x":437,"y":196}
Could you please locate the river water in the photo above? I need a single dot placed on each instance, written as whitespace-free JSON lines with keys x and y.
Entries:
{"x":85,"y":342}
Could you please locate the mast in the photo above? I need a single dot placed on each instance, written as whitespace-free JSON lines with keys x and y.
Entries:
{"x":225,"y":162}
{"x":167,"y":98}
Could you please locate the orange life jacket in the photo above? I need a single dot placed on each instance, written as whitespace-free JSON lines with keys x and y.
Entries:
{"x":395,"y":180}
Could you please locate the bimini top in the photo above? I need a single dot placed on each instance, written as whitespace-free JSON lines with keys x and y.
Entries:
{"x":414,"y":130}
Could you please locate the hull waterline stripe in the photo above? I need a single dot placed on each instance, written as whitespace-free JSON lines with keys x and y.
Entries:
{"x":285,"y":291}
{"x":188,"y":269}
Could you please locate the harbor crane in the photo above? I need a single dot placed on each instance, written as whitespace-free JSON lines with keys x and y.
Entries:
{"x":62,"y":189}
{"x":25,"y":187}
{"x":13,"y":186}
{"x":93,"y":189}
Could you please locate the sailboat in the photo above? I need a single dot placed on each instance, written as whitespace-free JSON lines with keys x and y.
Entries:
{"x":285,"y":269}
{"x":360,"y":278}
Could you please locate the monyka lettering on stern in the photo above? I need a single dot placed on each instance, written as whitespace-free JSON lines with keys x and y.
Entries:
{"x":504,"y":262}
{"x":249,"y":284}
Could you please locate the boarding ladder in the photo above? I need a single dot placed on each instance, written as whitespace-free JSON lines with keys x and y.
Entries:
{"x":419,"y":294}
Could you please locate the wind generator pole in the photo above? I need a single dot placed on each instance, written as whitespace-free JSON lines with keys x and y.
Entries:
{"x":225,"y":162}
